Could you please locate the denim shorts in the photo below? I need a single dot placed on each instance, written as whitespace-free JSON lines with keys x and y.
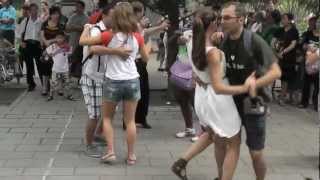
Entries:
{"x":121,"y":90}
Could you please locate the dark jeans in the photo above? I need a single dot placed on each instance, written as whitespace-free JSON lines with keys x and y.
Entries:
{"x":143,"y":104}
{"x":308,"y":81}
{"x":32,"y":53}
{"x":8,"y":35}
{"x":185,"y":99}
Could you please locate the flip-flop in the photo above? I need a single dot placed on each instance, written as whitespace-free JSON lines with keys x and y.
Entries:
{"x":132,"y":161}
{"x":108,"y":158}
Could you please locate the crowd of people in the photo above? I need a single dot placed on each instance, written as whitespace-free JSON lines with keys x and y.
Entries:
{"x":226,"y":63}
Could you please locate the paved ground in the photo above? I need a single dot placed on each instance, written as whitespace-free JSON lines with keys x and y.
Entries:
{"x":40,"y":140}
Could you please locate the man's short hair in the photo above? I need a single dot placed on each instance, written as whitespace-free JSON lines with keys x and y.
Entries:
{"x":137,"y":6}
{"x":33,"y":5}
{"x":240,"y":8}
{"x":82,"y":4}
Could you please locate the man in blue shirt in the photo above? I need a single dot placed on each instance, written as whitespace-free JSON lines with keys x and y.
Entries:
{"x":7,"y":20}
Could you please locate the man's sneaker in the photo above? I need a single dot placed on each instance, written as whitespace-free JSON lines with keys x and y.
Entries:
{"x":93,"y":151}
{"x":186,"y":133}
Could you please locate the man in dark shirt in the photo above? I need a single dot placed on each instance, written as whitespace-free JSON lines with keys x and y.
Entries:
{"x":240,"y":64}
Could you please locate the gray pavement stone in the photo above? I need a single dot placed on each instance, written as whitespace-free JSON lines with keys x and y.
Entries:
{"x":26,"y":163}
{"x":15,"y":155}
{"x":126,"y":178}
{"x":101,"y":171}
{"x":51,"y":171}
{"x":21,"y":178}
{"x":36,"y":148}
{"x":10,"y":171}
{"x":73,"y":178}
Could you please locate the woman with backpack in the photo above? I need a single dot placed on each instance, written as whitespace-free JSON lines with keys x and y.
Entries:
{"x":122,"y":78}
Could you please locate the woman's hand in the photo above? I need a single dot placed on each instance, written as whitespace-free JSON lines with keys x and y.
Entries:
{"x":249,"y":82}
{"x":123,"y":52}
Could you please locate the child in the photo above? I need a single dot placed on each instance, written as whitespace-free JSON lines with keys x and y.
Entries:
{"x":59,"y":52}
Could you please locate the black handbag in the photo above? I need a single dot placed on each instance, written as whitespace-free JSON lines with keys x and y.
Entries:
{"x":254,"y":106}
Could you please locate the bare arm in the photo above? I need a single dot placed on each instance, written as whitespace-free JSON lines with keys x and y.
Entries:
{"x":74,"y":28}
{"x":214,"y":60}
{"x":102,"y":50}
{"x":145,"y":51}
{"x":270,"y":76}
{"x":152,"y":30}
{"x":7,"y":21}
{"x":45,"y":41}
{"x":290,"y":47}
{"x":86,"y":39}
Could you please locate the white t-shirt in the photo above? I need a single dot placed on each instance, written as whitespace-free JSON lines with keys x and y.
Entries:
{"x":90,"y":68}
{"x":60,"y":57}
{"x":118,"y":68}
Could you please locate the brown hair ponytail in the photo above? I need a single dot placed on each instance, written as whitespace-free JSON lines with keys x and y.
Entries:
{"x":201,"y":23}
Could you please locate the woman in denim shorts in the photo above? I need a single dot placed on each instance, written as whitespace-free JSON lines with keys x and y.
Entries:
{"x":122,"y":78}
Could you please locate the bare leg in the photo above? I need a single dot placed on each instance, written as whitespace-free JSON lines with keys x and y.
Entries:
{"x":204,"y":141}
{"x":90,"y":130}
{"x":259,"y":164}
{"x":231,"y":157}
{"x":220,"y":153}
{"x":108,"y":112}
{"x":129,"y":119}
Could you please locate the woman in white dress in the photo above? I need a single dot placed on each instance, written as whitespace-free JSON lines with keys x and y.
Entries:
{"x":214,"y":104}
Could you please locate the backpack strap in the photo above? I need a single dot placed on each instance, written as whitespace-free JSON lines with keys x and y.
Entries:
{"x":247,"y":40}
{"x":86,"y":59}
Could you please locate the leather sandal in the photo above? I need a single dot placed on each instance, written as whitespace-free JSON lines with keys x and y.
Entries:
{"x":108,"y":158}
{"x":179,"y":169}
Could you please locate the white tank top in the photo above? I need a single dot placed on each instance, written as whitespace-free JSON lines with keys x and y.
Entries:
{"x":204,"y":75}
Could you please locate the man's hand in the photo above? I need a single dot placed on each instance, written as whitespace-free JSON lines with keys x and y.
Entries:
{"x":23,"y":45}
{"x":124,"y":53}
{"x":199,"y":82}
{"x":217,"y":38}
{"x":165,"y":25}
{"x":145,"y":22}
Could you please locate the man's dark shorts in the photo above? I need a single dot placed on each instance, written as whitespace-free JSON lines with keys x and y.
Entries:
{"x":255,"y":127}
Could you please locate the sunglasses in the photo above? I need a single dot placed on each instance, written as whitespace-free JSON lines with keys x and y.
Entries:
{"x":227,"y":18}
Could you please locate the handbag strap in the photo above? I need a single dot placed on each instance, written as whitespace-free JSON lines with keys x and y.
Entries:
{"x":25,"y":29}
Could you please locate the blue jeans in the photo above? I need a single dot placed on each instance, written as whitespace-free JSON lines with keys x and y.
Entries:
{"x":121,"y":90}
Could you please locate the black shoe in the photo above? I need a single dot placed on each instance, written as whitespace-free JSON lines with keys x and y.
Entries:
{"x":60,"y":93}
{"x":302,"y":106}
{"x":31,"y":87}
{"x":146,"y":126}
{"x":71,"y":98}
{"x":50,"y":98}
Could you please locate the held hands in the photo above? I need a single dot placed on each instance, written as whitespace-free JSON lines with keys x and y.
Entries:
{"x":250,"y":85}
